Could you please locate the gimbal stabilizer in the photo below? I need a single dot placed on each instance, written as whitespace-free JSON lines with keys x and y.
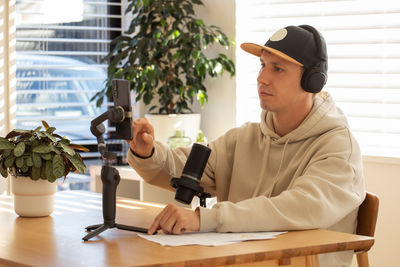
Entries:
{"x":109,"y":175}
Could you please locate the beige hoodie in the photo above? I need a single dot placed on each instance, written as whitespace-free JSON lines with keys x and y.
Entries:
{"x":310,"y":178}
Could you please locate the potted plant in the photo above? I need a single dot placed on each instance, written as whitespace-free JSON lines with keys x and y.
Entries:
{"x":163,"y":55}
{"x":35,"y":159}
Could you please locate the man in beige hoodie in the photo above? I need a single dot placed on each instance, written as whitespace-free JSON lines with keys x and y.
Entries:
{"x":299,"y":168}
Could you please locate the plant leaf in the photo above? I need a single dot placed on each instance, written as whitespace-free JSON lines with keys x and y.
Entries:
{"x":5,"y":144}
{"x":46,"y":125}
{"x":42,"y":149}
{"x":67,"y":148}
{"x":79,"y":147}
{"x":6,"y":153}
{"x":37,"y":160}
{"x":52,"y":138}
{"x":25,"y":169}
{"x":37,"y":129}
{"x":49,"y":170}
{"x":35,"y":173}
{"x":19,"y":149}
{"x":76,"y":161}
{"x":19,"y":161}
{"x":43,"y":172}
{"x":46,"y":156}
{"x":50,"y":130}
{"x":58,"y":166}
{"x":9,"y":161}
{"x":29,"y":161}
{"x":3,"y":172}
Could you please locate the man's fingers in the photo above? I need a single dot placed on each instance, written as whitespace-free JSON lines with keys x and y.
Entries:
{"x":179,"y":228}
{"x":156,"y":225}
{"x":153,"y":229}
{"x":175,"y":220}
{"x":167,"y":222}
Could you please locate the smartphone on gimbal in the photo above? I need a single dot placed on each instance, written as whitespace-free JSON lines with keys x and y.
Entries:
{"x":122,"y":97}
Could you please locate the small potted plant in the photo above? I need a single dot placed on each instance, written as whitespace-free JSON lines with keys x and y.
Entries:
{"x":35,"y":159}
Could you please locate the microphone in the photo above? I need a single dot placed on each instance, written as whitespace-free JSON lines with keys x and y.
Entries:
{"x":189,"y":184}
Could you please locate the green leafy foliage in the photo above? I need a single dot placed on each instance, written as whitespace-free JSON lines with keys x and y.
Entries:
{"x":163,"y":53}
{"x":39,"y":154}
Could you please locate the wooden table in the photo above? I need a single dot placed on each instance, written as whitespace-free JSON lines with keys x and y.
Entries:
{"x":56,"y":240}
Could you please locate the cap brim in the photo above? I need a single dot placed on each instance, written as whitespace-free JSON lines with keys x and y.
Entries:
{"x":256,"y":50}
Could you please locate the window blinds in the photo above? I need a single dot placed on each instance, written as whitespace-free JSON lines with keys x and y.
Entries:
{"x":60,"y":46}
{"x":363,"y":39}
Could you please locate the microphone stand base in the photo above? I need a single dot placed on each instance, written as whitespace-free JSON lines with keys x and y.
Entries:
{"x":202,"y":197}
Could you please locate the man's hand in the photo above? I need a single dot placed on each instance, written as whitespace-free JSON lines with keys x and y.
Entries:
{"x":176,"y":220}
{"x":143,"y":137}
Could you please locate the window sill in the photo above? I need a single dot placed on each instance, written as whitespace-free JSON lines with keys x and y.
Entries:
{"x":381,"y":159}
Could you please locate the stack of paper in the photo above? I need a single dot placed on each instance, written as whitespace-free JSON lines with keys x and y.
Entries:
{"x":207,"y":239}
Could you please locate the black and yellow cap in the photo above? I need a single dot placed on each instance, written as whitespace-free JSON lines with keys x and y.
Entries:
{"x":292,"y":43}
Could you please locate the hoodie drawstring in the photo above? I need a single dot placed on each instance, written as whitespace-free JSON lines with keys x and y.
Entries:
{"x":279,"y":169}
{"x":265,"y":161}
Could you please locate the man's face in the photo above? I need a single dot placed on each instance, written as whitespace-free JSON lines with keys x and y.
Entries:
{"x":278,"y":83}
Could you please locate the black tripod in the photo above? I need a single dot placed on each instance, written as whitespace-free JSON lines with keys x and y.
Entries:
{"x":109,"y":177}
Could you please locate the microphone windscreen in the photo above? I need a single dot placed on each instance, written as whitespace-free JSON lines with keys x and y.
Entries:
{"x":196,"y":161}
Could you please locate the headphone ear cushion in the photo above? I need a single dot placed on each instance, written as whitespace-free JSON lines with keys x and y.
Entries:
{"x":313,"y":80}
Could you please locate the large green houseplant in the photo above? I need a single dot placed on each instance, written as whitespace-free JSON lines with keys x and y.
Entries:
{"x":35,"y":159}
{"x":163,"y":54}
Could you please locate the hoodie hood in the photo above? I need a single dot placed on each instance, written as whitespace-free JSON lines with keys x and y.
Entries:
{"x":323,"y":117}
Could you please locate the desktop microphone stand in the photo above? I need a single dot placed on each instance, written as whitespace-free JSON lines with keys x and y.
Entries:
{"x":202,"y":197}
{"x":109,"y":176}
{"x":187,"y":188}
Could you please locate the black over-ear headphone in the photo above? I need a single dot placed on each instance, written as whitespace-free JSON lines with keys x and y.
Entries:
{"x":314,"y":77}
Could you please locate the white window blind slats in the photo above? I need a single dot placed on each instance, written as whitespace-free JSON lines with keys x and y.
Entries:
{"x":50,"y":91}
{"x":279,"y":9}
{"x":60,"y":45}
{"x":364,"y":80}
{"x":85,"y":16}
{"x":66,"y":53}
{"x":363,"y":40}
{"x":50,"y":78}
{"x":73,"y":28}
{"x":63,"y":40}
{"x":54,"y":105}
{"x":68,"y":67}
{"x":363,"y":95}
{"x":99,"y":2}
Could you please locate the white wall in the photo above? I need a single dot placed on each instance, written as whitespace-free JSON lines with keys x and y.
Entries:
{"x":382,"y":178}
{"x":219,"y":115}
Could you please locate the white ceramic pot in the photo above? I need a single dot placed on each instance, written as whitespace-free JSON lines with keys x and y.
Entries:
{"x":164,"y":125}
{"x":33,"y":198}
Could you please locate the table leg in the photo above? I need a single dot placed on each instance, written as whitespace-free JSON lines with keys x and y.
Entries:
{"x":312,"y":261}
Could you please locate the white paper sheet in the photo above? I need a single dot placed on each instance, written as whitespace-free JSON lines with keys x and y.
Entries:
{"x":207,"y":239}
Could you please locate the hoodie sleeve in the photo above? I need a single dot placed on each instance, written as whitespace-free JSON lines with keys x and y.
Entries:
{"x":330,"y":188}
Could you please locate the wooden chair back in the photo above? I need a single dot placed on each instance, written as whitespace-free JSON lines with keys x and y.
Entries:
{"x":366,"y":223}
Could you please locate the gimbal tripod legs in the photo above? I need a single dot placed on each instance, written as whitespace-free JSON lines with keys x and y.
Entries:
{"x":110,"y":178}
{"x":96,"y":231}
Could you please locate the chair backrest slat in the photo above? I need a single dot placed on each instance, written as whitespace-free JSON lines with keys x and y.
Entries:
{"x":367,"y":215}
